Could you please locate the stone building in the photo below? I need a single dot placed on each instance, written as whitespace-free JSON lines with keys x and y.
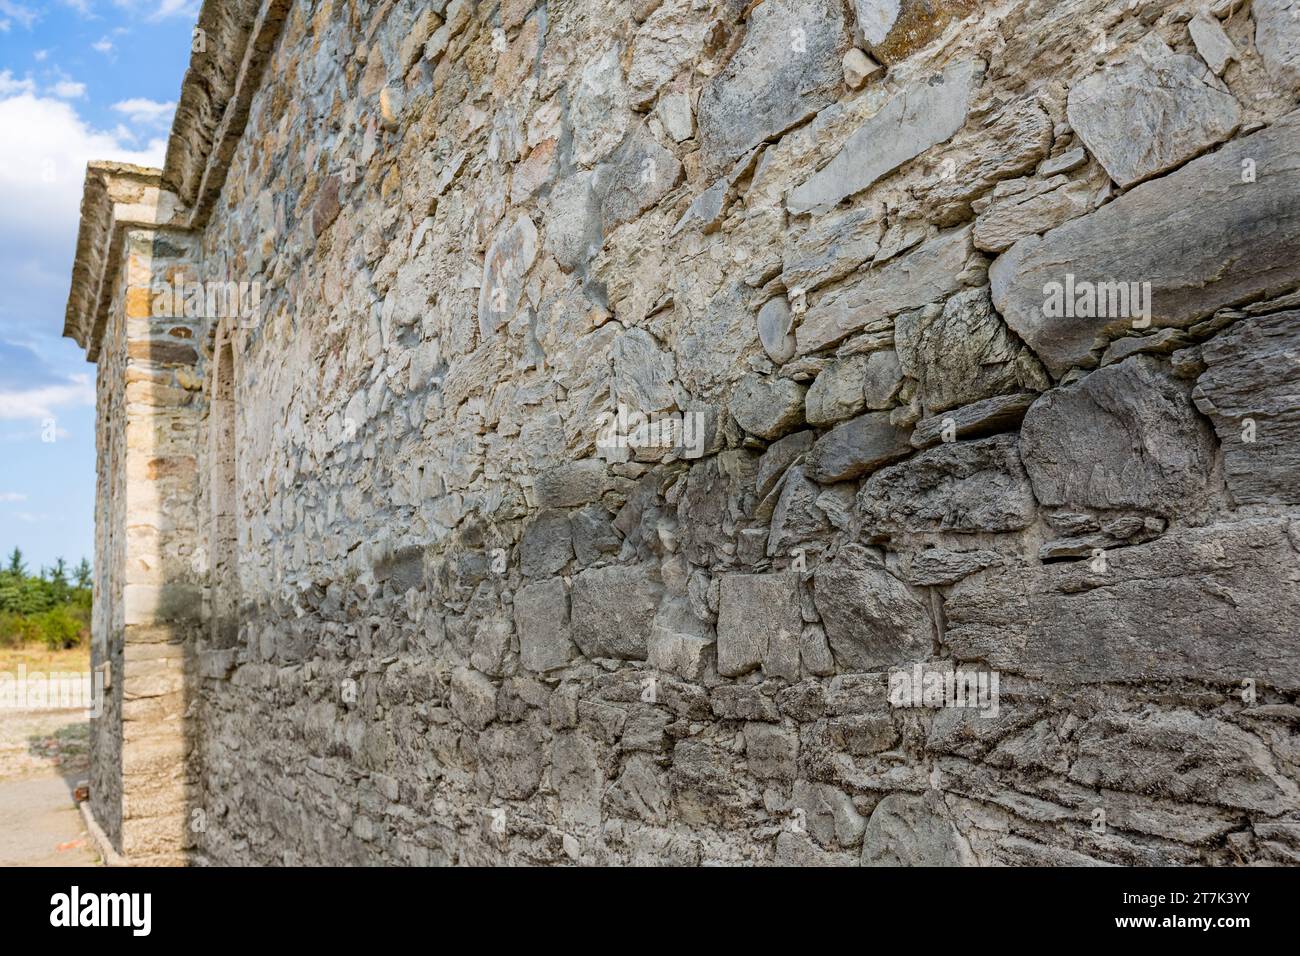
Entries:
{"x":704,"y":431}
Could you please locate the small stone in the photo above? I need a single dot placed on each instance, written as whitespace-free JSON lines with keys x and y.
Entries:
{"x":999,"y":414}
{"x":857,"y":447}
{"x":768,"y":407}
{"x":858,"y":68}
{"x":1067,"y":162}
{"x":774,"y":330}
{"x":675,"y":113}
{"x":1211,"y":42}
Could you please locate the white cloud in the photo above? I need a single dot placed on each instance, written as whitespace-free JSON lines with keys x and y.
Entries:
{"x":141,"y":110}
{"x":176,"y":8}
{"x":43,"y":170}
{"x":16,"y":11}
{"x":9,"y":497}
{"x":40,"y":55}
{"x":103,"y":45}
{"x":68,"y":90}
{"x":40,"y":403}
{"x":10,"y":86}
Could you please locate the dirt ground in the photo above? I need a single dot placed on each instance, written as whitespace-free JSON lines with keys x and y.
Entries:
{"x":44,"y":755}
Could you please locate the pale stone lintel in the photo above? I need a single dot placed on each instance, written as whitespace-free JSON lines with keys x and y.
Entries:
{"x":117,"y":197}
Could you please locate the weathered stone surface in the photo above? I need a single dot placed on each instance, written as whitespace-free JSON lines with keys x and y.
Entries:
{"x":785,"y":70}
{"x":926,"y":275}
{"x":939,"y":566}
{"x":875,"y":19}
{"x":796,"y":517}
{"x":678,"y":117}
{"x":895,"y":29}
{"x":1211,"y":42}
{"x":920,"y":116}
{"x":857,"y":447}
{"x":1175,"y":233}
{"x":643,"y":373}
{"x":1160,"y":343}
{"x":963,"y":353}
{"x":572,"y":220}
{"x":1181,"y":755}
{"x":913,"y":830}
{"x":837,"y":393}
{"x":965,"y":486}
{"x":881,"y":379}
{"x":778,"y":457}
{"x":614,"y":610}
{"x":1277,"y":37}
{"x":759,"y":624}
{"x":872,"y":620}
{"x":775,"y":324}
{"x":831,"y":248}
{"x":1151,"y":112}
{"x":1126,"y":436}
{"x":1027,"y":207}
{"x":772,"y":751}
{"x":542,"y":620}
{"x":547,"y":545}
{"x":768,"y":407}
{"x":987,"y":417}
{"x":1144,"y":616}
{"x":636,"y":177}
{"x":680,"y":643}
{"x":1249,"y":392}
{"x":599,"y":110}
{"x":671,"y":38}
{"x":508,"y":259}
{"x":572,"y":484}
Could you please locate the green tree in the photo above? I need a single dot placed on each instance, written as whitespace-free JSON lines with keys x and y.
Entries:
{"x":16,"y":565}
{"x":82,"y":576}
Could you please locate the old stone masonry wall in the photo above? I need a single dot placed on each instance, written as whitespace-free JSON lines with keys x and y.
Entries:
{"x":648,"y":401}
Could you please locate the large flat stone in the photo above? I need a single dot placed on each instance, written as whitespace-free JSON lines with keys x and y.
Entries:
{"x":613,"y":610}
{"x":1201,"y":236}
{"x":787,"y":68}
{"x":1151,"y":112}
{"x":924,"y":275}
{"x":1218,"y":603}
{"x":1277,"y":37}
{"x":924,"y":114}
{"x":1249,"y":392}
{"x":967,"y":486}
{"x":759,"y":623}
{"x":1126,"y":436}
{"x":872,"y":619}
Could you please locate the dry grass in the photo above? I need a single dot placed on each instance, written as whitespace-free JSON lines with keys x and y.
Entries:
{"x":37,"y":657}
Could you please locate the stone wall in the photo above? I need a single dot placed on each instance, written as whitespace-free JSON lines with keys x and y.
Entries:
{"x":971,"y":338}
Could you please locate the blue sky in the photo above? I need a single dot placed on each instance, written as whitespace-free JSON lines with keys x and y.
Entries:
{"x":79,"y":80}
